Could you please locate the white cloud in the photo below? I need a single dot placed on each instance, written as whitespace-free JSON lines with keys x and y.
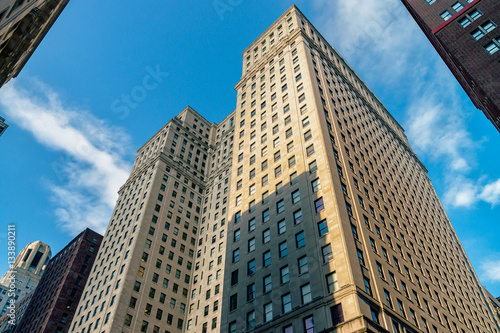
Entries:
{"x":490,"y":270}
{"x":94,"y":168}
{"x":376,"y":28}
{"x":491,"y":192}
{"x":462,"y":192}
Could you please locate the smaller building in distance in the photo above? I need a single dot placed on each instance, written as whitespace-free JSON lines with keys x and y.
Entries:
{"x":3,"y":126}
{"x":466,"y":35}
{"x":26,"y":273}
{"x":54,"y":301}
{"x":23,"y":25}
{"x":7,"y":319}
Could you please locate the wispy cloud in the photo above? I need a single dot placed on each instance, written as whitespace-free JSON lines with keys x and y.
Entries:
{"x":435,"y":117}
{"x":490,"y":270}
{"x":94,"y":167}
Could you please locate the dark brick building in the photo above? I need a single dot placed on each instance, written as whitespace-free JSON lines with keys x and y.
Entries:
{"x":466,"y":35}
{"x":56,"y":297}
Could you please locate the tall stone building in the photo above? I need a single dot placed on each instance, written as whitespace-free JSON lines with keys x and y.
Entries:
{"x":23,"y":25}
{"x":161,"y":263}
{"x":465,"y":34}
{"x":304,"y":210}
{"x":54,"y":301}
{"x":27,"y":271}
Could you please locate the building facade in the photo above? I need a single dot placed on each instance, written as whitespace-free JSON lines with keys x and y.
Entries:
{"x":163,"y":252}
{"x":26,"y":273}
{"x":23,"y":25}
{"x":465,"y":33}
{"x":53,"y":303}
{"x":304,"y":210}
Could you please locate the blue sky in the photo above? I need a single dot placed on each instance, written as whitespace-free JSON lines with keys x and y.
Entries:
{"x":73,"y":135}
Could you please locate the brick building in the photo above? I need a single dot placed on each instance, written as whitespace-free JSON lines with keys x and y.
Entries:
{"x":54,"y":301}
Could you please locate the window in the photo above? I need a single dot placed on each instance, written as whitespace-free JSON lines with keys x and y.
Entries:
{"x":286,"y":304}
{"x":368,"y":288}
{"x":251,"y":189}
{"x":332,"y":283}
{"x":280,"y":206}
{"x":283,"y":250}
{"x":465,"y":22}
{"x":291,"y":161}
{"x":337,"y":314}
{"x":266,"y":236}
{"x":318,"y":204}
{"x":251,"y":292}
{"x":236,"y":235}
{"x":281,"y":227}
{"x":251,"y":244}
{"x":310,"y":150}
{"x":295,"y":196}
{"x":284,"y":274}
{"x":488,"y":26}
{"x":361,"y":259}
{"x":297,"y":216}
{"x":238,"y":200}
{"x":309,"y":324}
{"x":233,"y":302}
{"x":300,"y":240}
{"x":380,"y":271}
{"x":401,"y":308}
{"x":492,"y":47}
{"x":446,"y":15}
{"x":327,"y":253}
{"x":430,"y":2}
{"x":305,"y":292}
{"x":268,"y":312}
{"x":279,"y":188}
{"x":477,"y":34}
{"x":234,"y":277}
{"x":236,"y":255}
{"x":313,"y":167}
{"x":308,"y":135}
{"x":265,"y":216}
{"x":293,"y":178}
{"x":388,"y":299}
{"x":315,"y":184}
{"x":251,"y":224}
{"x":302,"y":263}
{"x":266,"y":258}
{"x":250,"y":320}
{"x":251,"y":267}
{"x":475,"y":14}
{"x":457,"y":6}
{"x":267,"y":284}
{"x":322,"y":228}
{"x":128,"y":320}
{"x":277,"y":171}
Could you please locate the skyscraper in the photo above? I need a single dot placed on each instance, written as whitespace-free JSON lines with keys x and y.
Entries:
{"x":28,"y":268}
{"x":165,"y":243}
{"x":304,"y":210}
{"x":23,"y":25}
{"x":465,"y":34}
{"x":53,"y":303}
